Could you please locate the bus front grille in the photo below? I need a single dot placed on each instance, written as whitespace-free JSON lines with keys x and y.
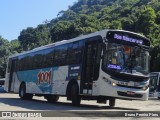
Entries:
{"x":129,"y":95}
{"x":129,"y":86}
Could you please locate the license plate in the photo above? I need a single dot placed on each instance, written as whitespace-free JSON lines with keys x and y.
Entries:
{"x":122,"y":83}
{"x":130,"y":93}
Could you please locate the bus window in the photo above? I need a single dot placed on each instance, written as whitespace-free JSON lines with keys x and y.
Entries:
{"x":21,"y":63}
{"x":69,"y":55}
{"x":9,"y":65}
{"x":74,"y":53}
{"x":60,"y":55}
{"x":30,"y":61}
{"x":48,"y":57}
{"x":38,"y":60}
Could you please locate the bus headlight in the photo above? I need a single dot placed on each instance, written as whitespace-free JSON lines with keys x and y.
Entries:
{"x":114,"y":84}
{"x":145,"y":88}
{"x":109,"y":81}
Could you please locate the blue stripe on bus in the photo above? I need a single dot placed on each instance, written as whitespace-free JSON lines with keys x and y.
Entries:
{"x":36,"y":76}
{"x":43,"y":78}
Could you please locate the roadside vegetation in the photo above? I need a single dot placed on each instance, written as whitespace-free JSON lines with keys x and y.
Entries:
{"x":87,"y":16}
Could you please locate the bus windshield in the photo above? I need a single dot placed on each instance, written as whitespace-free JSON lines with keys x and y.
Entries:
{"x":126,"y":59}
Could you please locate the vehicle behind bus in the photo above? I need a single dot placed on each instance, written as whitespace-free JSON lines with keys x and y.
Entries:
{"x":154,"y":85}
{"x":2,"y":82}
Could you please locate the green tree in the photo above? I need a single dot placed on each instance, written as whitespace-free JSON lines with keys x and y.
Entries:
{"x":34,"y":37}
{"x":86,"y":16}
{"x":15,"y":46}
{"x":27,"y":38}
{"x":158,"y":17}
{"x":64,"y":30}
{"x":116,"y":25}
{"x":155,"y":58}
{"x":4,"y":53}
{"x":146,"y":22}
{"x":128,"y":24}
{"x":42,"y":35}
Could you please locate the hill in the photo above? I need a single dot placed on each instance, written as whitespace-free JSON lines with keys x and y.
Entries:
{"x":86,"y":16}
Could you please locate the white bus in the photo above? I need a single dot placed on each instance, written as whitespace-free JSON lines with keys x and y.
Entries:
{"x":101,"y":66}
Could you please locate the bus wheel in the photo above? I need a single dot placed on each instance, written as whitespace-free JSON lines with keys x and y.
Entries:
{"x":75,"y":96}
{"x":112,"y":102}
{"x":29,"y":96}
{"x":22,"y":91}
{"x":52,"y":98}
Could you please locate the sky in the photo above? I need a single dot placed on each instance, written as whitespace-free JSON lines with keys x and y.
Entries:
{"x":16,"y":15}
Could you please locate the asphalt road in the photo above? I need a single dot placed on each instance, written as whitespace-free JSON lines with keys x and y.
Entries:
{"x":87,"y":109}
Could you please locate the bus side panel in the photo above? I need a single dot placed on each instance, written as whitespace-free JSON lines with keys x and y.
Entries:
{"x":9,"y":74}
{"x":15,"y":83}
{"x":37,"y":81}
{"x":46,"y":80}
{"x":62,"y":75}
{"x":49,"y":80}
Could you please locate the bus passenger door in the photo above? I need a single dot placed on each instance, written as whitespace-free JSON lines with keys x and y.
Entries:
{"x":90,"y":66}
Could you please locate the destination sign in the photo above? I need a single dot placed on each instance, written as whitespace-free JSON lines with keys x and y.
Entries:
{"x":124,"y":37}
{"x":114,"y":66}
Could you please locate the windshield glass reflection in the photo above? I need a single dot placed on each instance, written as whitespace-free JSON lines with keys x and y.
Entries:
{"x":126,"y":59}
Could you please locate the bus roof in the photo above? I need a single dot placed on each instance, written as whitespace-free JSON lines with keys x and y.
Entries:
{"x":102,"y":33}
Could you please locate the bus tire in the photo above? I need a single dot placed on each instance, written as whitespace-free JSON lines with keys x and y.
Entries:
{"x":22,"y":91}
{"x":112,"y":102}
{"x":52,"y":98}
{"x":75,"y":98}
